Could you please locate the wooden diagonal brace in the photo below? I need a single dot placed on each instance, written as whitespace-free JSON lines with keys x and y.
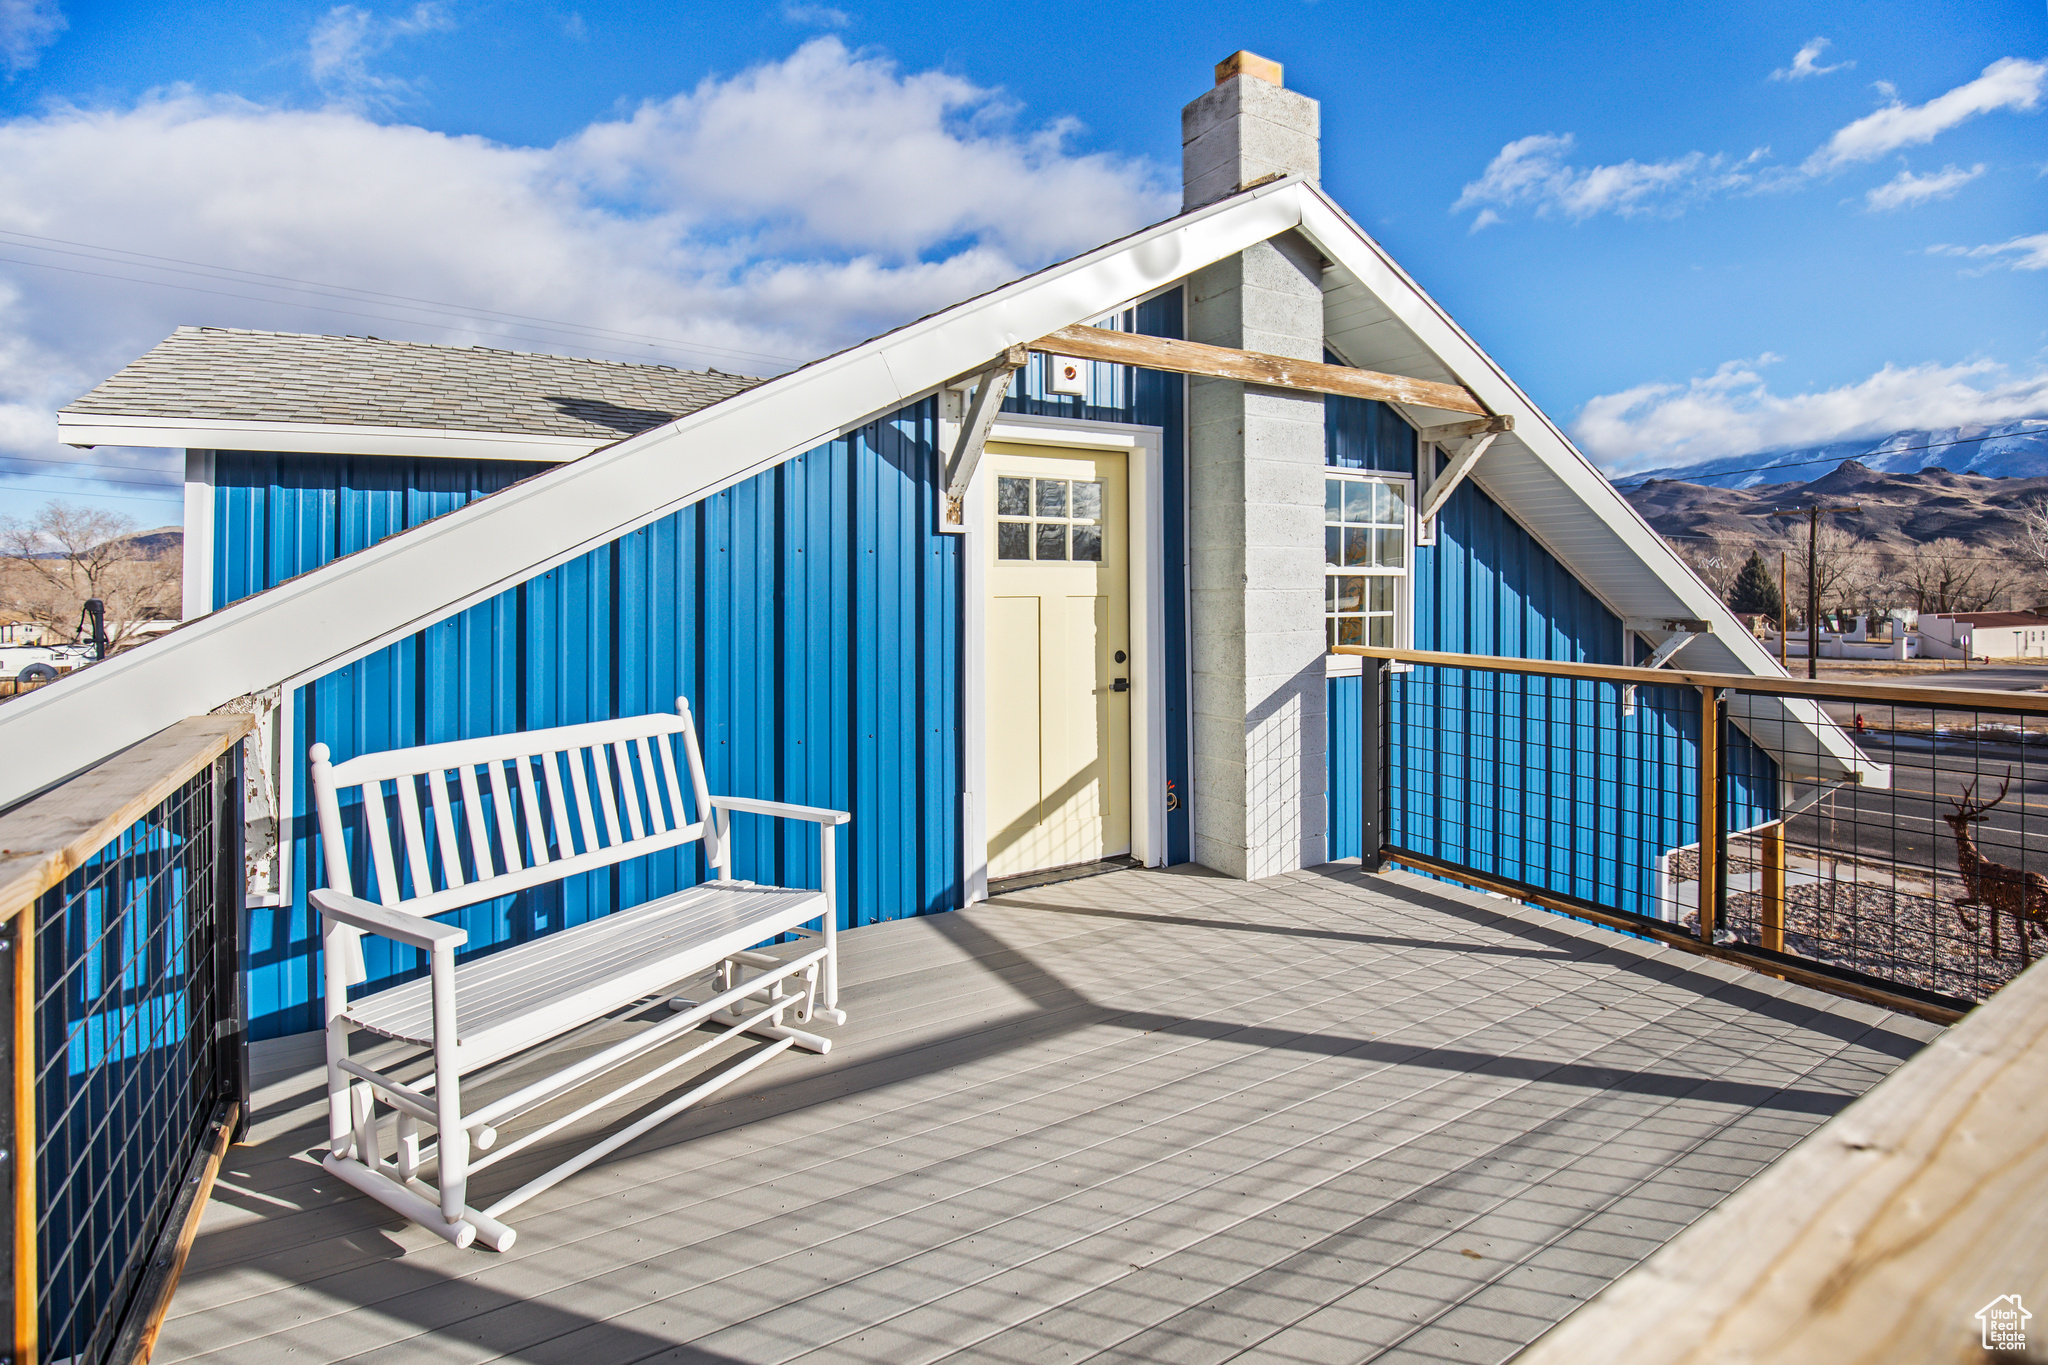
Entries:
{"x":989,"y":392}
{"x":1454,"y":474}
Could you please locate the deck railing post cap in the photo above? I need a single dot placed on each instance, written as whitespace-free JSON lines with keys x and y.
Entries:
{"x":318,"y":753}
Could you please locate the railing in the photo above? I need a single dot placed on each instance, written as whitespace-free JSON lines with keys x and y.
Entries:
{"x":121,"y":895}
{"x":1882,"y":841}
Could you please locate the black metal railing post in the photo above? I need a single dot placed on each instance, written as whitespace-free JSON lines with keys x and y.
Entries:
{"x":11,"y":1164}
{"x":231,"y":1029}
{"x":1372,"y":777}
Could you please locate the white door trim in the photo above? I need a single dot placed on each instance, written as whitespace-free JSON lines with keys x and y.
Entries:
{"x":1146,"y":450}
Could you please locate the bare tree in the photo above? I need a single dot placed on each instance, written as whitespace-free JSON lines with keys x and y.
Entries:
{"x":65,"y":554}
{"x":1847,"y":569}
{"x":1946,"y":576}
{"x":1714,"y":562}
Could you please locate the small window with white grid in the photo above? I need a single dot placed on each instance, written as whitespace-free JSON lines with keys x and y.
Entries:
{"x":1365,"y":558}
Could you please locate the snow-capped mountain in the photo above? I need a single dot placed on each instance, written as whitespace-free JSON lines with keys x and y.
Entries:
{"x":2007,"y":450}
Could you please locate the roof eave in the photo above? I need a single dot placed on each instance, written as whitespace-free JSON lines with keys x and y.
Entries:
{"x":86,"y":430}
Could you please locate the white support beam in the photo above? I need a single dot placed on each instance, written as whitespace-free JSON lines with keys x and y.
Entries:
{"x":989,"y":392}
{"x":1454,"y":473}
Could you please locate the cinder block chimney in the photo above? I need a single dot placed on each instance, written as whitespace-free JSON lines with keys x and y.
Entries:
{"x":1255,"y":500}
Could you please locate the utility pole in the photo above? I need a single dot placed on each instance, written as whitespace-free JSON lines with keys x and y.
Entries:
{"x":1784,"y":610}
{"x":1813,"y":515}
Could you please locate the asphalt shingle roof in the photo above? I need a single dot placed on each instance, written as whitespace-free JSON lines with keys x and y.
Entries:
{"x":230,"y":374}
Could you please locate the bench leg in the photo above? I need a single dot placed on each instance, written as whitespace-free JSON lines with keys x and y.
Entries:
{"x":828,"y":872}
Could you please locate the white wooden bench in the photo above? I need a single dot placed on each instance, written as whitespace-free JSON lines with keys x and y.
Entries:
{"x":454,"y":825}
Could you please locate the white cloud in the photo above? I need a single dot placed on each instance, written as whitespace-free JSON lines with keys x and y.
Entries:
{"x":1907,"y":190}
{"x":26,"y":28}
{"x":346,"y":37}
{"x":2008,"y":83}
{"x":2021,"y":253}
{"x":1804,"y":63}
{"x":1734,"y":412}
{"x":815,"y":16}
{"x":1532,"y":172}
{"x":783,"y":212}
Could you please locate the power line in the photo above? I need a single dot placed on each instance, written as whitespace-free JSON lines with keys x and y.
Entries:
{"x":1838,"y":459}
{"x":1758,"y":543}
{"x":79,"y":464}
{"x":231,"y":273}
{"x":124,"y":497}
{"x":292,"y":303}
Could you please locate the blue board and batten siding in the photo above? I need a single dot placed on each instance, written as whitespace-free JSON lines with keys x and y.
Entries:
{"x":1540,"y":781}
{"x":811,"y":615}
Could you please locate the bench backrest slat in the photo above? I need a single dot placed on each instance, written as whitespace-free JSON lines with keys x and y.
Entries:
{"x":418,"y":858}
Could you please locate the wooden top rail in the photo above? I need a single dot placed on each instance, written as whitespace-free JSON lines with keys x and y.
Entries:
{"x":1256,"y":367}
{"x":45,"y":839}
{"x":1878,"y":1238}
{"x":1924,"y":698}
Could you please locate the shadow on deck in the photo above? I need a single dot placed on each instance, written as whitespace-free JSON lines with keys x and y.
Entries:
{"x":1145,"y":1116}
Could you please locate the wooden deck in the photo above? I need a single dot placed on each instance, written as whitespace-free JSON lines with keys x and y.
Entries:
{"x":1140,"y":1117}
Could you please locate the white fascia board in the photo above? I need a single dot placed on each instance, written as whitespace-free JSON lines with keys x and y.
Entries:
{"x":1352,"y":250}
{"x":412,"y":579}
{"x":309,"y":438}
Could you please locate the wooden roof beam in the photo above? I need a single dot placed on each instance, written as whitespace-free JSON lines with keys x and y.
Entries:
{"x":1256,"y":367}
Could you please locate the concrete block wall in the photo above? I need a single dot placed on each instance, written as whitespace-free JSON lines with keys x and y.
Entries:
{"x":1255,"y":500}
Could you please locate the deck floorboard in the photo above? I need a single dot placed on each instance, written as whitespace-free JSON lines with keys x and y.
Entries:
{"x":1139,"y":1117}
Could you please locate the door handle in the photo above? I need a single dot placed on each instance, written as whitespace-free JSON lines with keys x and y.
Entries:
{"x":1120,"y":684}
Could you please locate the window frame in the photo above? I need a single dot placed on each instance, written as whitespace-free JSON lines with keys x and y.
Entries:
{"x":1404,"y":578}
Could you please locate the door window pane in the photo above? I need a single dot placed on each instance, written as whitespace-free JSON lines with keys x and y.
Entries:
{"x":1052,"y":540}
{"x":1013,"y":497}
{"x":1052,"y":499}
{"x":1087,"y":502}
{"x":1088,"y":543}
{"x":1013,"y":540}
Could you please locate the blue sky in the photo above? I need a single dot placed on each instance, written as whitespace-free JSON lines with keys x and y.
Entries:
{"x":1688,"y":231}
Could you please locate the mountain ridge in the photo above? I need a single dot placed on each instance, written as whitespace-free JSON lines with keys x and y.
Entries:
{"x":1997,"y":450}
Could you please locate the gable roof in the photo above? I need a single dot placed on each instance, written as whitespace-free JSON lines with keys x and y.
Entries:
{"x":403,"y":584}
{"x":222,"y":383}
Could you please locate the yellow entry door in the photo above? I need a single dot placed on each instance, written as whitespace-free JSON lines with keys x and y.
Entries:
{"x":1059,"y":705}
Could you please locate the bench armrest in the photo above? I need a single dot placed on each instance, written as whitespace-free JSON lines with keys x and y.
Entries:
{"x":385,"y":922}
{"x":747,"y":805}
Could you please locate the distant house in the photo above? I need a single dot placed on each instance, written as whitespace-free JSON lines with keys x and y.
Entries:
{"x":1091,"y":620}
{"x":1987,"y":634}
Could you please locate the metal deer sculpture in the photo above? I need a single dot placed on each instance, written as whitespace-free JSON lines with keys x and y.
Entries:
{"x":2001,"y":890}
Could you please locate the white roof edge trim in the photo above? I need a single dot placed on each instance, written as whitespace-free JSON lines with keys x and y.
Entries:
{"x":311,"y":438}
{"x":1333,"y":232}
{"x":257,"y":643}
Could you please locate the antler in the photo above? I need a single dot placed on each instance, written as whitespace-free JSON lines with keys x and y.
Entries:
{"x":1968,"y":806}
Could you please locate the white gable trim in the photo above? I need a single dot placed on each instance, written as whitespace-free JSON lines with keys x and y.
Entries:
{"x":1553,"y":490}
{"x":405,"y":582}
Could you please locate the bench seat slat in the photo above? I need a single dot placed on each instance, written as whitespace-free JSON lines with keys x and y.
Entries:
{"x":522,"y":995}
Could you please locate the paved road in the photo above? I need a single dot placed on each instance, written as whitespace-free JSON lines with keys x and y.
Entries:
{"x":1903,"y":823}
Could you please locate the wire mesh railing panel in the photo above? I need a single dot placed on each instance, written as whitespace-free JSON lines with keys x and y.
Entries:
{"x":1860,"y":836}
{"x":1912,"y":848}
{"x":1579,"y":787}
{"x":130,"y":1001}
